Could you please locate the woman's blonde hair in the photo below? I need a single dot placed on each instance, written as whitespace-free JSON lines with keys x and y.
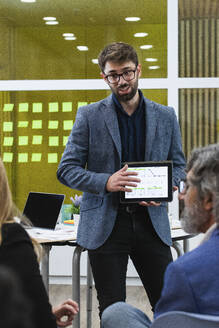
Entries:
{"x":8,"y":211}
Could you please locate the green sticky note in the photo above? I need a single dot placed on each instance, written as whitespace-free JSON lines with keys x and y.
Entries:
{"x":36,"y":157}
{"x":23,"y":140}
{"x":22,"y":158}
{"x":67,"y":106}
{"x":53,"y":124}
{"x":23,"y":124}
{"x":65,"y":140}
{"x":82,"y":103}
{"x":37,"y":107}
{"x":7,"y":157}
{"x":8,"y":107}
{"x":23,"y":107}
{"x":8,"y":141}
{"x":67,"y":125}
{"x":7,"y":126}
{"x":37,"y":124}
{"x":53,"y":107}
{"x":53,"y":141}
{"x":37,"y":140}
{"x":53,"y":158}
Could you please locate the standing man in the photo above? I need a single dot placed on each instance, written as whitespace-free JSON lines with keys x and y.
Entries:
{"x":124,"y":127}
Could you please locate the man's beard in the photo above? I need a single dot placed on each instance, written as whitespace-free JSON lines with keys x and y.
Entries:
{"x":128,"y":96}
{"x":194,"y":218}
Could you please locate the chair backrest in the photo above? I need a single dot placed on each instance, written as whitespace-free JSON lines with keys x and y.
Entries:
{"x":179,"y":319}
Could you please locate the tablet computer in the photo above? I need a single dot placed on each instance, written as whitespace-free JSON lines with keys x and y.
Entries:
{"x":156,"y":182}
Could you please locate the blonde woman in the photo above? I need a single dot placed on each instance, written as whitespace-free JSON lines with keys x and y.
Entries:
{"x":19,"y":253}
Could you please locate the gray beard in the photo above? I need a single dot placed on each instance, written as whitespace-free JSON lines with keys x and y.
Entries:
{"x":193,"y":218}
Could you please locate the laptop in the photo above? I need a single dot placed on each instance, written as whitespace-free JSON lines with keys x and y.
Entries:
{"x":43,"y":209}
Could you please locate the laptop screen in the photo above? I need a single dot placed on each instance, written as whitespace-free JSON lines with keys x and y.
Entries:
{"x":43,"y":209}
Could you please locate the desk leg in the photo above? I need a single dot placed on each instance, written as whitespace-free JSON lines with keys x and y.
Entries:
{"x":45,"y":266}
{"x":89,"y":293}
{"x":176,"y":245}
{"x":76,"y":282}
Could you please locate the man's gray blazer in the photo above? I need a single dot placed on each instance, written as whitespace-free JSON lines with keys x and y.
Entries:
{"x":93,"y":154}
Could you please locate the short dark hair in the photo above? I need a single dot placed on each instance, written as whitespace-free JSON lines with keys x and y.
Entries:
{"x":117,"y":52}
{"x":204,"y":165}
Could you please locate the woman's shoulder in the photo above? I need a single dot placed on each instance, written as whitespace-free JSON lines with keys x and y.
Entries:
{"x":14,"y":232}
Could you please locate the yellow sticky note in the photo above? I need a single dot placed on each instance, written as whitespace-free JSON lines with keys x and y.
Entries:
{"x":22,"y":158}
{"x":53,"y":124}
{"x":23,"y":124}
{"x":23,"y":140}
{"x":67,"y":125}
{"x":8,"y":141}
{"x":65,"y":140}
{"x":23,"y":107}
{"x":37,"y":140}
{"x":8,"y":107}
{"x":7,"y":157}
{"x":37,"y":107}
{"x":37,"y":124}
{"x":53,"y":107}
{"x":7,"y":126}
{"x":53,"y":141}
{"x":82,"y":103}
{"x":36,"y":157}
{"x":52,"y":158}
{"x":67,"y":106}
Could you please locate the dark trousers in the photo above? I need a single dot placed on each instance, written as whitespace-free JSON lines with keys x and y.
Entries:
{"x":133,"y":235}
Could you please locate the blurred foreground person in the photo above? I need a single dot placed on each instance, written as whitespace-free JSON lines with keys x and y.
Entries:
{"x":19,"y":253}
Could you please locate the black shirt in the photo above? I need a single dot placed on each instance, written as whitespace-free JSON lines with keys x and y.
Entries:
{"x":132,"y":131}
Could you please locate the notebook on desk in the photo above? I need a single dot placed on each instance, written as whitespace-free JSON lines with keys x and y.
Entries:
{"x":43,"y":209}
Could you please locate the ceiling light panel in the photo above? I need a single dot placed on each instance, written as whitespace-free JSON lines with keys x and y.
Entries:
{"x":132,"y":19}
{"x":151,"y":59}
{"x":82,"y":48}
{"x":153,"y":67}
{"x":49,"y":18}
{"x":146,"y":46}
{"x":51,"y":22}
{"x":140,"y":35}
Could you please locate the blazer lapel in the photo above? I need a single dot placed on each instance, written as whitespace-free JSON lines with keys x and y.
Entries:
{"x":110,"y":118}
{"x":151,"y":123}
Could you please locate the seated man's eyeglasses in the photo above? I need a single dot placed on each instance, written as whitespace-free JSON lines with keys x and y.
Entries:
{"x":182,"y":187}
{"x":126,"y":75}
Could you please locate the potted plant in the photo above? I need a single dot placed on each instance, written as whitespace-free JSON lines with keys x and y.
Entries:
{"x":76,"y":202}
{"x":75,"y":208}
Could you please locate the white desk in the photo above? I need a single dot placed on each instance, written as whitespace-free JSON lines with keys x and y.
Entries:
{"x":69,"y":238}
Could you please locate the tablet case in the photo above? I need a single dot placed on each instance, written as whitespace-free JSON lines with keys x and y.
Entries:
{"x":156,"y":182}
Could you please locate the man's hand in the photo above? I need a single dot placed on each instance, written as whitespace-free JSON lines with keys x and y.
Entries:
{"x":65,"y":313}
{"x":121,"y":179}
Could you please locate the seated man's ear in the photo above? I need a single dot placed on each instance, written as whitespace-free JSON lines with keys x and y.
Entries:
{"x":208,"y":202}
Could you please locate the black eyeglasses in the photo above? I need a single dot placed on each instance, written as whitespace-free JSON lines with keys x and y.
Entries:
{"x":127,"y":76}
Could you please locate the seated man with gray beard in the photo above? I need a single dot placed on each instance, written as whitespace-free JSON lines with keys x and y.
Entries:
{"x":191,"y":283}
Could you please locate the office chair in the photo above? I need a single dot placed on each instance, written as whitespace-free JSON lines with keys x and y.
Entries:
{"x":179,"y":319}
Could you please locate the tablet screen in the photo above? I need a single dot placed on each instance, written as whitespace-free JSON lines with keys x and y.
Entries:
{"x":155,"y":185}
